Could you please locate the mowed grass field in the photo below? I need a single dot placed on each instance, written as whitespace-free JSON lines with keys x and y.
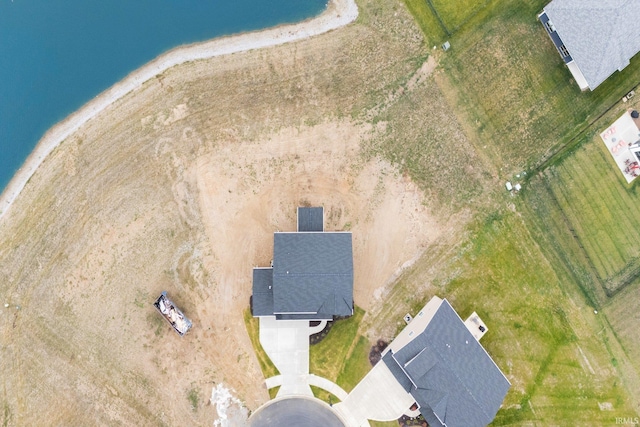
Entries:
{"x":624,"y":317}
{"x":540,"y":335}
{"x":599,"y":209}
{"x":585,"y":215}
{"x":539,"y":264}
{"x":454,"y":13}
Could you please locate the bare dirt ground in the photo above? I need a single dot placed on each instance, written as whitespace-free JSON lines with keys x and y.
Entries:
{"x":249,"y":191}
{"x":179,"y":186}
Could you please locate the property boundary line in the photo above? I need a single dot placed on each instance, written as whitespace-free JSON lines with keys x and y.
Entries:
{"x":472,"y":15}
{"x":594,"y":272}
{"x":437,"y":15}
{"x":547,"y":162}
{"x":599,"y":280}
{"x":574,"y":141}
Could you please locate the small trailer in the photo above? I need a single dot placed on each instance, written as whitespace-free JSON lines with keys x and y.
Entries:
{"x":172,"y":314}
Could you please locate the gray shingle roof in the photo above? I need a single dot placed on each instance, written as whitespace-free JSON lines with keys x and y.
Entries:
{"x":311,"y":219}
{"x":262,"y":296}
{"x":600,"y":35}
{"x":397,"y":371}
{"x":452,"y":375}
{"x":313,"y":273}
{"x":432,"y":420}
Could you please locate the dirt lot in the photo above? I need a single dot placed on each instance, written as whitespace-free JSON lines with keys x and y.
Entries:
{"x":91,"y":316}
{"x":179,"y":187}
{"x":248,"y":191}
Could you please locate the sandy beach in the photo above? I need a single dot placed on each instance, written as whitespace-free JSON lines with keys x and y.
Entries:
{"x":337,"y":14}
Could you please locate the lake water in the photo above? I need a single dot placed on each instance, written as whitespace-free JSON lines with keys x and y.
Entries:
{"x":55,"y":55}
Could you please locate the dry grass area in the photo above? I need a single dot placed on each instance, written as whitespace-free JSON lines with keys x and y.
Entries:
{"x":179,"y":186}
{"x":624,"y":317}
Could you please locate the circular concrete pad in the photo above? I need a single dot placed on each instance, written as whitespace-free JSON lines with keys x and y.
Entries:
{"x":295,"y":411}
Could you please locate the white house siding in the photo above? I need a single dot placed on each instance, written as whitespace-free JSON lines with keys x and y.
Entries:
{"x":577,"y":75}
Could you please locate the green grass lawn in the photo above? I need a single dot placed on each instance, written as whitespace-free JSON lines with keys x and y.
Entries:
{"x":558,"y":241}
{"x":383,"y":424}
{"x":538,"y":332}
{"x":324,"y":395}
{"x":600,"y":208}
{"x":273,"y":392}
{"x":343,"y":357}
{"x":253,"y":329}
{"x":624,"y":316}
{"x":328,"y":357}
{"x":427,"y":20}
{"x":454,"y":13}
{"x":356,"y":366}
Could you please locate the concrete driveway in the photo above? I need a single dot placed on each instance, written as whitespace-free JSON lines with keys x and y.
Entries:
{"x":378,"y":396}
{"x":286,"y":342}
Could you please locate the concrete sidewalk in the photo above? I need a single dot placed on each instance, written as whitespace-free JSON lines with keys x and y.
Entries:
{"x":327,"y":385}
{"x":319,"y":328}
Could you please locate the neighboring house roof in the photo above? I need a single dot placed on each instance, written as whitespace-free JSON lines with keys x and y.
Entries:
{"x":262,"y":295}
{"x":313,"y":273}
{"x":311,"y":219}
{"x":601,"y":36}
{"x":397,"y":371}
{"x":453,"y":379}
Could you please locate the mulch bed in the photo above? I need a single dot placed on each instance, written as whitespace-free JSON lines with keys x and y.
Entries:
{"x":405,"y":421}
{"x":316,"y":338}
{"x":376,"y":351}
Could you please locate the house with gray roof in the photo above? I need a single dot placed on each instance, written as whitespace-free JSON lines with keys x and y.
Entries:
{"x":594,"y":37}
{"x":311,"y":277}
{"x":439,"y":360}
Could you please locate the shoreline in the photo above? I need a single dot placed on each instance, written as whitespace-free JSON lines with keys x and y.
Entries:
{"x":337,"y":14}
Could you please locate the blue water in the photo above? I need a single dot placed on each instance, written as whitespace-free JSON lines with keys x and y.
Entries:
{"x":55,"y":55}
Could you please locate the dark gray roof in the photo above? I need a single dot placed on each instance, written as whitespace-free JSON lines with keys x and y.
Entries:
{"x":313,"y":273}
{"x":432,"y":420}
{"x":600,"y":35}
{"x":397,"y":371}
{"x":262,"y":297}
{"x":311,"y":219}
{"x":452,"y":376}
